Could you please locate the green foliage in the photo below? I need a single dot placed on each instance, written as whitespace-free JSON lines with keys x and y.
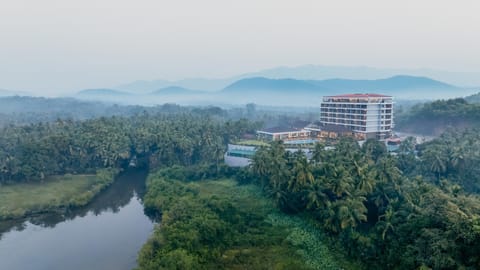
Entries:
{"x":214,"y":225}
{"x":433,"y":118}
{"x":309,"y":241}
{"x":364,"y":201}
{"x":32,"y":152}
{"x":454,"y":156}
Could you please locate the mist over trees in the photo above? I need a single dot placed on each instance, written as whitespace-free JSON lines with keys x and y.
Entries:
{"x":434,"y":118}
{"x":31,"y":152}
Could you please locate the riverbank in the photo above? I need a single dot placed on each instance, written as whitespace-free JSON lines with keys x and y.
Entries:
{"x":217,"y":224}
{"x":55,"y":194}
{"x":107,"y":233}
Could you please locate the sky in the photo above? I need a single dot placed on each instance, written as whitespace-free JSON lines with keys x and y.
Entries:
{"x":55,"y":46}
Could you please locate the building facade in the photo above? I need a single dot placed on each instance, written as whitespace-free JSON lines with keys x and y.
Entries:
{"x":366,"y":115}
{"x":284,"y":134}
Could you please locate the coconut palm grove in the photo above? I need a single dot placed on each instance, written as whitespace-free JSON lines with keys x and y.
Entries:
{"x":345,"y":206}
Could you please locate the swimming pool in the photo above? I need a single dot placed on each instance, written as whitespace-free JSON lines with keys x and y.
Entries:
{"x":304,"y":141}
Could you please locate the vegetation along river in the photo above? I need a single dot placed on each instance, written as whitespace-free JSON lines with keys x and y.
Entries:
{"x":105,"y":234}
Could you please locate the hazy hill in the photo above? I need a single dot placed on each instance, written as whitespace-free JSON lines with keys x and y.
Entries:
{"x":285,"y":91}
{"x":102,"y":92}
{"x":25,"y":110}
{"x":475,"y":98}
{"x":308,"y":72}
{"x":175,"y":90}
{"x":399,"y":82}
{"x":321,"y":72}
{"x":255,"y":85}
{"x":399,"y":86}
{"x":145,"y":87}
{"x":4,"y":92}
{"x":7,"y":93}
{"x":40,"y":105}
{"x":433,"y":118}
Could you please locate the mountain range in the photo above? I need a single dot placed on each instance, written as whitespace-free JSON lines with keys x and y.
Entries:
{"x":175,"y":90}
{"x":102,"y":91}
{"x":309,"y":72}
{"x":323,"y":72}
{"x":335,"y":86}
{"x":270,"y":91}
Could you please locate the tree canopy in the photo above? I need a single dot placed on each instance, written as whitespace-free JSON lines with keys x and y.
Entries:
{"x":381,"y":215}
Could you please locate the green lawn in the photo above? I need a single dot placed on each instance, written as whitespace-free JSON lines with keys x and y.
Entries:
{"x":55,"y":193}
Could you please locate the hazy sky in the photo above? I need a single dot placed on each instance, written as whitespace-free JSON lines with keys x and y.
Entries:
{"x":62,"y":45}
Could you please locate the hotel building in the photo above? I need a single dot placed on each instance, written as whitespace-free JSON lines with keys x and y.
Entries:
{"x":284,"y":134}
{"x":366,"y":115}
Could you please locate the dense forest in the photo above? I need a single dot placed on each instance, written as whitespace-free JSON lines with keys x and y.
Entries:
{"x":434,"y":118}
{"x":417,"y":209}
{"x":453,"y":158}
{"x":32,"y":152}
{"x":426,"y":217}
{"x":213,"y":225}
{"x":413,"y":210}
{"x":24,"y":110}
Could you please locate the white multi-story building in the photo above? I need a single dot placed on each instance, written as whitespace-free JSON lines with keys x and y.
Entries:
{"x":366,"y":115}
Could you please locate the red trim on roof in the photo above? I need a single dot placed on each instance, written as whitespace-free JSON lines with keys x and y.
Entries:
{"x":359,"y":96}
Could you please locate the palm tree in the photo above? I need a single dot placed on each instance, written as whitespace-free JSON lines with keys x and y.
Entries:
{"x":315,"y":196}
{"x":386,"y":221}
{"x":345,"y":214}
{"x":340,"y":181}
{"x":374,"y":149}
{"x":387,"y":171}
{"x":218,"y":152}
{"x":318,"y":154}
{"x":279,"y":196}
{"x":261,"y":165}
{"x":351,"y":211}
{"x":438,"y":165}
{"x":365,"y":177}
{"x":302,"y":175}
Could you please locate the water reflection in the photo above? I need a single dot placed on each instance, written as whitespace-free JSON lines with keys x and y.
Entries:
{"x":129,"y":184}
{"x":106,"y":234}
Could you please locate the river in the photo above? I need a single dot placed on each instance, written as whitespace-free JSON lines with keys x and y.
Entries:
{"x":105,"y":234}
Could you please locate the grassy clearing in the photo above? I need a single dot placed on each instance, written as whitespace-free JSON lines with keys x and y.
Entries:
{"x":255,"y":234}
{"x":295,"y":233}
{"x":55,"y":193}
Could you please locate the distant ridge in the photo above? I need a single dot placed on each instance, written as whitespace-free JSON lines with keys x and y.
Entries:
{"x":102,"y":92}
{"x":278,"y":85}
{"x":4,"y":93}
{"x":323,"y":72}
{"x":390,"y":86}
{"x":392,"y":83}
{"x":175,"y":90}
{"x":309,"y":72}
{"x":475,"y":98}
{"x":146,"y":87}
{"x":7,"y":93}
{"x":284,"y":91}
